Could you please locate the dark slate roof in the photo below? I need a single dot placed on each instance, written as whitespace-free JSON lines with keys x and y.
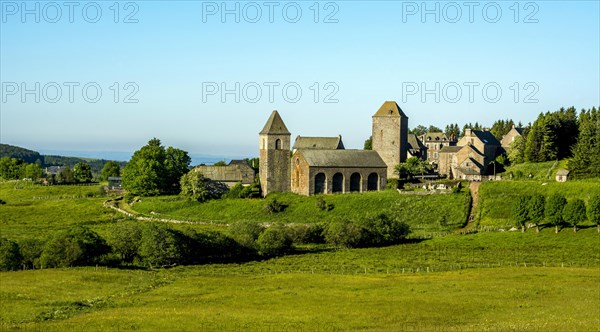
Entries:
{"x":390,"y":108}
{"x":275,"y":125}
{"x":486,"y":137}
{"x":331,"y":143}
{"x":450,"y":149}
{"x":436,"y":136}
{"x":342,"y":158}
{"x":414,"y":142}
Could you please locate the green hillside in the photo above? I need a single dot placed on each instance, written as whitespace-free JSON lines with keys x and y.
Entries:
{"x":26,"y":155}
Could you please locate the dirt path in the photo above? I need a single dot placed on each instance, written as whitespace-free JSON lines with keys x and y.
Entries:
{"x":113,"y":204}
{"x":474,"y":187}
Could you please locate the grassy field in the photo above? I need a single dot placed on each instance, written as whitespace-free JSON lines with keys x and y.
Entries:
{"x":39,"y":211}
{"x":497,"y":198}
{"x":422,"y":213}
{"x":545,"y":171}
{"x":487,"y":281}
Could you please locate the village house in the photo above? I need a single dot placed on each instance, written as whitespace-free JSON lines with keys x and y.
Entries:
{"x":471,"y":158}
{"x":237,"y":171}
{"x":510,"y":137}
{"x":562,"y":175}
{"x":435,"y":142}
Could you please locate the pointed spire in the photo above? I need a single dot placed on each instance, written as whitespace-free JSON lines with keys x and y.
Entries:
{"x":275,"y":125}
{"x":390,"y":108}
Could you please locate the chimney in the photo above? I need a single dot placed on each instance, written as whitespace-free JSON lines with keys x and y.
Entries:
{"x":468,"y":132}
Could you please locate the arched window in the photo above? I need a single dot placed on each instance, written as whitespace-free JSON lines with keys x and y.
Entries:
{"x":373,"y":182}
{"x":338,"y":183}
{"x":319,"y":183}
{"x":277,"y":144}
{"x":355,"y":182}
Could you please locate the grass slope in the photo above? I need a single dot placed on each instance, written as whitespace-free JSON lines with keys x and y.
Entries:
{"x":39,"y":211}
{"x":497,"y":198}
{"x":485,"y":281}
{"x":544,"y":171}
{"x":423,"y":213}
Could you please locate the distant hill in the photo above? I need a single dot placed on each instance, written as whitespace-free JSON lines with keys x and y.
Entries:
{"x":30,"y":156}
{"x":26,"y":155}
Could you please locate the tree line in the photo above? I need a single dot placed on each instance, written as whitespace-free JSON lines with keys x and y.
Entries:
{"x":555,"y":210}
{"x":153,"y":244}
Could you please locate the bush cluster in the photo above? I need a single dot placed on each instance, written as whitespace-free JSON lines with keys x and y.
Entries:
{"x":375,"y":231}
{"x":150,"y":244}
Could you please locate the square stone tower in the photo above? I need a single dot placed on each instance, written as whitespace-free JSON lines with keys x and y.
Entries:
{"x":275,"y":159}
{"x":390,"y":135}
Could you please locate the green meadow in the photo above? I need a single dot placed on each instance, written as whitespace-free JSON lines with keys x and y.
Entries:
{"x":439,"y":280}
{"x":428,"y":215}
{"x":497,"y":198}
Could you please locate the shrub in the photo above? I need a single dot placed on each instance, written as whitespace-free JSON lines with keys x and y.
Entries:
{"x":343,"y":234}
{"x":246,"y":233}
{"x":196,"y":187}
{"x":31,"y":250}
{"x":235,"y":191}
{"x":393,"y":184}
{"x":76,"y":247}
{"x":304,"y":234}
{"x":125,"y":239}
{"x":273,"y":241}
{"x":251,"y":191}
{"x":275,"y":206}
{"x":10,"y":256}
{"x":159,"y":245}
{"x":381,"y":230}
{"x":322,"y":204}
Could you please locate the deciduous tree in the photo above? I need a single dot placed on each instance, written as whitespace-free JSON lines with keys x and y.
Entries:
{"x":594,"y":210}
{"x":111,"y":168}
{"x":82,"y":173}
{"x":521,"y":211}
{"x":536,"y":210}
{"x":575,"y":213}
{"x":553,"y":211}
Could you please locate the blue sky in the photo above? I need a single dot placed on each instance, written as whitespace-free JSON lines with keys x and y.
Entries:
{"x":173,"y":60}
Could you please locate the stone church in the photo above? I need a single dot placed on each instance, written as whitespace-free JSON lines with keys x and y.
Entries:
{"x":321,"y":165}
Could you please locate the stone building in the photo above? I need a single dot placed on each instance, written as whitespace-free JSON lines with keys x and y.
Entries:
{"x":323,"y":165}
{"x":435,"y":142}
{"x":274,"y":155}
{"x":236,"y":171}
{"x":390,"y":135}
{"x":337,"y":171}
{"x":472,"y":156}
{"x":510,"y":137}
